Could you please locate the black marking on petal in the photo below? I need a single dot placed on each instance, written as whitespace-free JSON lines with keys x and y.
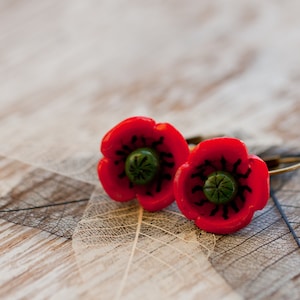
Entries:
{"x":121,"y":153}
{"x":223,"y":163}
{"x":167,"y":176}
{"x":197,"y":188}
{"x":234,"y":206}
{"x":209,"y":163}
{"x":236,"y":165}
{"x":201,"y":167}
{"x":168,"y":164}
{"x":166,"y":154}
{"x":200,"y":175}
{"x":201,"y":202}
{"x":241,"y":191}
{"x":225,"y":212}
{"x":159,"y":142}
{"x":246,"y":175}
{"x":214,"y":211}
{"x":246,"y":188}
{"x":158,"y":186}
{"x":143,"y":139}
{"x":242,"y":197}
{"x":126,"y":148}
{"x":122,"y":175}
{"x":134,"y":139}
{"x":160,"y":181}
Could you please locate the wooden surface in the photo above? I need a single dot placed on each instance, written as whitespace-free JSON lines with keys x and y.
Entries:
{"x":69,"y":71}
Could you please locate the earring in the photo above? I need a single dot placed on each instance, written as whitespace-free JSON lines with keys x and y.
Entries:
{"x":140,"y":161}
{"x":220,"y":186}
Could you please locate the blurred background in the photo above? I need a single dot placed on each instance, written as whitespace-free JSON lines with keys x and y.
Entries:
{"x":71,"y":69}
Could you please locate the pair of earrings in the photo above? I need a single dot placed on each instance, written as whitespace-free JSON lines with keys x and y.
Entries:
{"x":218,"y":184}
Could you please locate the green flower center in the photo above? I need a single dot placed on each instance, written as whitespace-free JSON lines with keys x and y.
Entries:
{"x":142,"y":165}
{"x":220,"y":187}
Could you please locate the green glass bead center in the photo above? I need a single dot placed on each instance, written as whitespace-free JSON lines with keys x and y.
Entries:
{"x":142,"y":165}
{"x":220,"y":187}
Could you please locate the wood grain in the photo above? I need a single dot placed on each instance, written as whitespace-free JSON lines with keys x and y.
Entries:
{"x":70,"y":70}
{"x":42,"y":199}
{"x":31,"y":260}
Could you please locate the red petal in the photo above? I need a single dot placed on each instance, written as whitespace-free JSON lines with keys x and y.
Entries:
{"x":176,"y":143}
{"x":214,"y":149}
{"x":231,"y":225}
{"x":118,"y":189}
{"x":259,"y":183}
{"x":122,"y":133}
{"x":181,"y":186}
{"x":159,"y":200}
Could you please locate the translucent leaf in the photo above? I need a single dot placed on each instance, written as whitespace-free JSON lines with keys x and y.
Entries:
{"x":124,"y":252}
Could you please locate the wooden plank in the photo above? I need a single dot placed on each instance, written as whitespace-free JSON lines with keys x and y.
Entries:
{"x":35,"y":264}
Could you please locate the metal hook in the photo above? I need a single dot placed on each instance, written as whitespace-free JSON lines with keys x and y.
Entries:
{"x":277,"y":161}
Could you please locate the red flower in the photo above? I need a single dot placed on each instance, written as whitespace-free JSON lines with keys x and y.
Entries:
{"x":221,"y":185}
{"x":140,"y":160}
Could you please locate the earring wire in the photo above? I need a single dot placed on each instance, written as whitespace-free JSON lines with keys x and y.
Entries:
{"x":279,"y":161}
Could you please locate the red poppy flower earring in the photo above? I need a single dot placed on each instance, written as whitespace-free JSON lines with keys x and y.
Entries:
{"x":140,"y":161}
{"x":218,"y":184}
{"x":221,"y":185}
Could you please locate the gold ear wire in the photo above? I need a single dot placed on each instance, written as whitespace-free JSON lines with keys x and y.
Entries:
{"x":277,"y":161}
